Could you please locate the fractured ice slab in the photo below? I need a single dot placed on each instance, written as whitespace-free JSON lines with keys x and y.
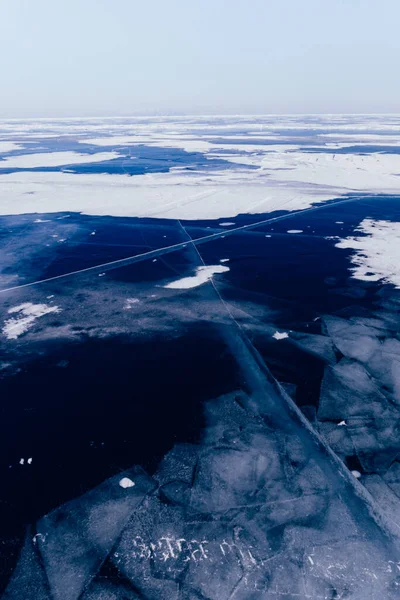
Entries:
{"x":73,"y":541}
{"x":354,"y":339}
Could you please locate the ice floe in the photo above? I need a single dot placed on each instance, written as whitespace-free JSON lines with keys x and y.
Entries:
{"x":203,"y":274}
{"x":27,"y":315}
{"x":377,"y":251}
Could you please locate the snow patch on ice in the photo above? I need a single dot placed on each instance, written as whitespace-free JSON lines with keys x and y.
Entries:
{"x":203,"y":274}
{"x":27,"y":315}
{"x":377,"y":252}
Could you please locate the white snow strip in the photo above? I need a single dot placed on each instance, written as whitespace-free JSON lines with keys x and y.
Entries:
{"x":54,"y":159}
{"x":377,"y":254}
{"x":224,"y":260}
{"x":174,"y":195}
{"x":125,"y":483}
{"x":294,"y":231}
{"x":280,"y":336}
{"x":9,"y":147}
{"x":27,"y":315}
{"x":226,"y":224}
{"x":203,"y":274}
{"x":42,"y":221}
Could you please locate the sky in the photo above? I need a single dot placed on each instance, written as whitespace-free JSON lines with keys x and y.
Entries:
{"x":129,"y":57}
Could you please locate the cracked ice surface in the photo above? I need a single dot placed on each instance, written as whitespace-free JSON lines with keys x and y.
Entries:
{"x":239,"y":515}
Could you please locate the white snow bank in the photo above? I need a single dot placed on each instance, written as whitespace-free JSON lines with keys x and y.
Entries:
{"x":27,"y":315}
{"x":377,"y":254}
{"x":203,"y":274}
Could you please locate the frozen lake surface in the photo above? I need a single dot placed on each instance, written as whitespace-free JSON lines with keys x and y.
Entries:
{"x":200,"y":358}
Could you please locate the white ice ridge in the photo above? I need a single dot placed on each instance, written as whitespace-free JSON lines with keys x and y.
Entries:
{"x":27,"y":315}
{"x":203,"y":274}
{"x":54,"y":159}
{"x":377,"y":253}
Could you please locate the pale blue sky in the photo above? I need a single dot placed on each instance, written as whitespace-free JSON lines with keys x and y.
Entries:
{"x":123,"y":57}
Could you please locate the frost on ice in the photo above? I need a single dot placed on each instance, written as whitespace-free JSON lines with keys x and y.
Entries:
{"x":26,"y":315}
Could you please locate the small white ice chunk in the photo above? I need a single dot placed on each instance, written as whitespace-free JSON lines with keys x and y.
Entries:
{"x":280,"y":336}
{"x":294,"y":231}
{"x":226,"y":224}
{"x":356,"y":474}
{"x":341,"y":424}
{"x":21,"y":461}
{"x":125,"y":482}
{"x":29,"y":461}
{"x":224,"y":260}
